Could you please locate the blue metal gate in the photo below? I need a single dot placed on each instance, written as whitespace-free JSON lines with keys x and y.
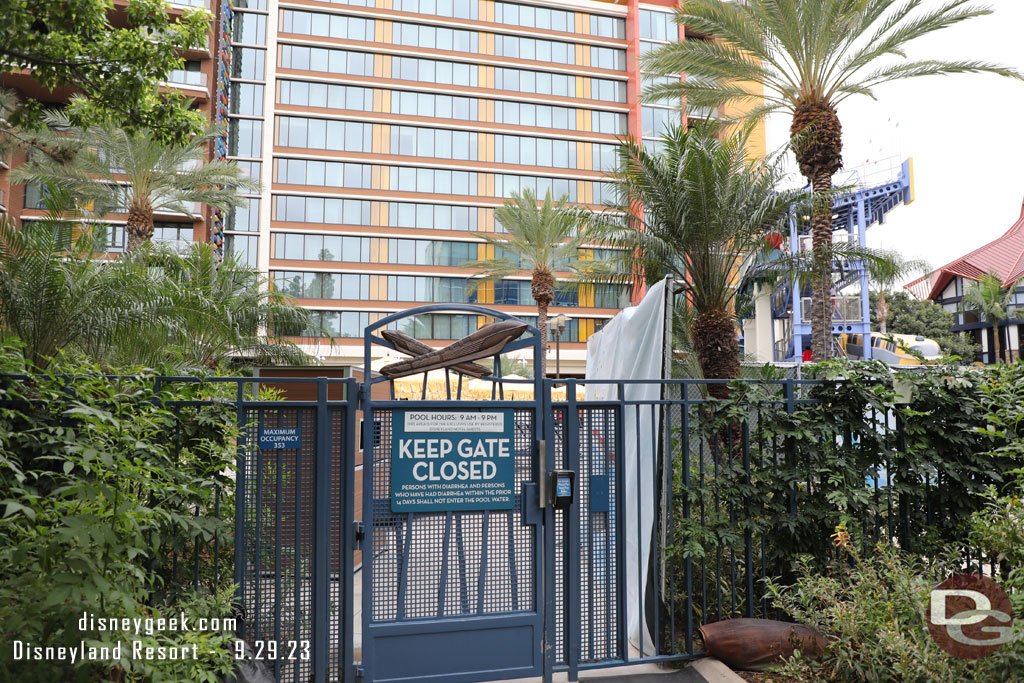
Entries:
{"x":452,"y":595}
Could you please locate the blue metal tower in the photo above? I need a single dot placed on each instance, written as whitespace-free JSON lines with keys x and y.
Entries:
{"x":852,"y":215}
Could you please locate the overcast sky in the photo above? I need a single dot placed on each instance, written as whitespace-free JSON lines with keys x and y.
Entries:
{"x":964,"y":132}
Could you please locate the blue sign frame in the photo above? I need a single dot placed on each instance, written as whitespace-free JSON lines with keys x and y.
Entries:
{"x":454,"y":459}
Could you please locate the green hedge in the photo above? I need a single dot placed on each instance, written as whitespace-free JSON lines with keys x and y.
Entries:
{"x":108,"y":495}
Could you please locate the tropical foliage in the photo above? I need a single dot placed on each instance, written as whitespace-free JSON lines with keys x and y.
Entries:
{"x":110,"y":169}
{"x":542,"y":241}
{"x":992,"y":302}
{"x":104,"y":490}
{"x":872,"y":606}
{"x":700,"y":210}
{"x":886,"y":279}
{"x":153,"y":307}
{"x":808,"y":56}
{"x":116,"y":58}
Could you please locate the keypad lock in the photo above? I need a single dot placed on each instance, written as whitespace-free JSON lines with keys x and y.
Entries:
{"x":562,"y":488}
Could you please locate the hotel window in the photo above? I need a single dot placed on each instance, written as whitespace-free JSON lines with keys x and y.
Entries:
{"x":176,"y":235}
{"x":247,"y":62}
{"x":658,"y":26}
{"x":246,"y":216}
{"x":245,"y":137}
{"x":249,"y":28}
{"x":247,"y":99}
{"x":242,"y":247}
{"x":250,"y":169}
{"x":447,"y":73}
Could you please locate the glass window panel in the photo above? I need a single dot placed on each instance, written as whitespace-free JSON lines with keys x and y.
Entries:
{"x":247,"y":62}
{"x":443,"y":182}
{"x":250,"y":28}
{"x":444,"y":73}
{"x":460,"y":183}
{"x":425,"y":142}
{"x":300,"y":58}
{"x":424,"y":180}
{"x":242,"y":247}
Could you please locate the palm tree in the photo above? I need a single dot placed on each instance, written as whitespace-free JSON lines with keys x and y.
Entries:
{"x":223,"y":311}
{"x":698,"y":210}
{"x":992,"y":301}
{"x":54,"y":295}
{"x":153,"y":307}
{"x":540,"y":240}
{"x":809,"y":56}
{"x":887,"y":278}
{"x":116,"y":170}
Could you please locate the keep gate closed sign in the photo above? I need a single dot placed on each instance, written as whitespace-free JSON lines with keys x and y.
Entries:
{"x":452,"y":460}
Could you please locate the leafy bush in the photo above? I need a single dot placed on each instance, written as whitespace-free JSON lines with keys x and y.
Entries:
{"x":873,"y":610}
{"x":104,"y":485}
{"x":910,"y":473}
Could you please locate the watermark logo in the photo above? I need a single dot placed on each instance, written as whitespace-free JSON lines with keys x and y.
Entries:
{"x":970,"y":616}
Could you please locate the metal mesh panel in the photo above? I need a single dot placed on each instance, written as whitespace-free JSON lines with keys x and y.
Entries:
{"x":277,"y":578}
{"x":337,"y":523}
{"x":277,"y":594}
{"x":599,"y":574}
{"x":449,"y":564}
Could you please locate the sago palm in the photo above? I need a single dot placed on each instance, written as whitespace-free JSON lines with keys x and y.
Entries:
{"x":809,"y":56}
{"x":700,"y":209}
{"x":991,"y":301}
{"x":541,"y":241}
{"x":115,"y":170}
{"x":224,"y":312}
{"x":54,"y":295}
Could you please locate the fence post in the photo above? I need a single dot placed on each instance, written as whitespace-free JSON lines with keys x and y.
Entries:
{"x":573,"y":519}
{"x":240,"y":507}
{"x":904,"y":500}
{"x":788,"y":391}
{"x":321,"y":534}
{"x":347,"y":493}
{"x":684,"y":444}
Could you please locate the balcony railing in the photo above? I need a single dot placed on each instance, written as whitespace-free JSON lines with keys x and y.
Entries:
{"x":182,"y":77}
{"x":845,"y":309}
{"x":201,"y":4}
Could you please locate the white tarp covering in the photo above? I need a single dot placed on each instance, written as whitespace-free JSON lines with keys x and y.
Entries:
{"x":631,"y":346}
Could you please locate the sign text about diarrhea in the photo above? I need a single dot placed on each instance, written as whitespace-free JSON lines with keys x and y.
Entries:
{"x":452,"y":460}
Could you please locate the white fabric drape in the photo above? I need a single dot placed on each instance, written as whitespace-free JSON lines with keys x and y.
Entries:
{"x":631,"y":346}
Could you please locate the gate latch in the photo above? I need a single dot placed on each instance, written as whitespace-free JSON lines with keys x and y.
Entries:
{"x":360,"y":534}
{"x":562,"y":488}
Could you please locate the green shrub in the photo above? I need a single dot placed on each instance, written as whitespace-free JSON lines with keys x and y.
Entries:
{"x":103,"y":484}
{"x":873,"y":610}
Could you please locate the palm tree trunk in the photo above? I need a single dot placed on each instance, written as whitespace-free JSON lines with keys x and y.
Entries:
{"x":882,"y":311}
{"x":996,"y":345}
{"x":717,"y":348}
{"x":542,"y":327}
{"x":542,"y":287}
{"x":139,"y":227}
{"x":821,"y":282}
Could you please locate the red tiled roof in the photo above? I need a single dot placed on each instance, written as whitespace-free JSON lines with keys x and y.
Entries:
{"x":1003,"y":256}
